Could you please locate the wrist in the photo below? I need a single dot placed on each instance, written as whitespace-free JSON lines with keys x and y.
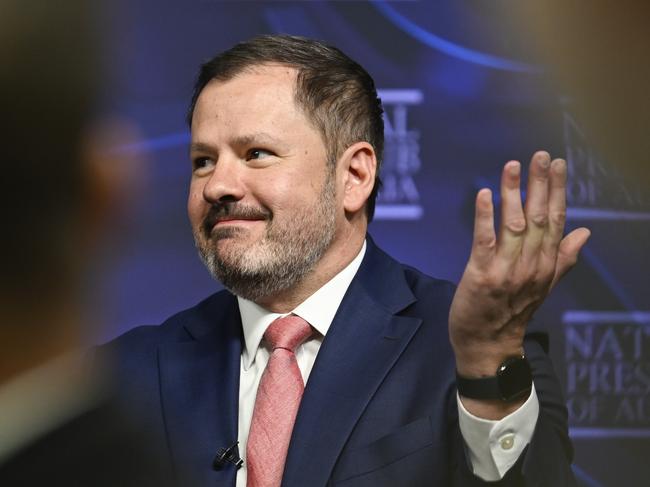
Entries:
{"x":483,"y":360}
{"x":509,"y":386}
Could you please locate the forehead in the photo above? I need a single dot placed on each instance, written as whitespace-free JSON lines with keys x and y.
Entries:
{"x":264,"y":88}
{"x":259,"y":100}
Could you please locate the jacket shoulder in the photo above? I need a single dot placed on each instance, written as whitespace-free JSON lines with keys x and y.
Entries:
{"x":421,"y":283}
{"x":176,"y":328}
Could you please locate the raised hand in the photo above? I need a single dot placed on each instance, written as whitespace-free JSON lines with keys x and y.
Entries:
{"x":507,"y":278}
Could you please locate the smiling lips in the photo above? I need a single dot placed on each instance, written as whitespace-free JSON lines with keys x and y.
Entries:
{"x":231,"y":216}
{"x":229,"y":226}
{"x":235,"y":220}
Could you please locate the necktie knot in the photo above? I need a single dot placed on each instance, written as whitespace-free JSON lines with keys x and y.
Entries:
{"x":288,"y":332}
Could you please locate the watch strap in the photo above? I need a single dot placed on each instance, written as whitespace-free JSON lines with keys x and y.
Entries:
{"x":513,"y":380}
{"x":483,"y":388}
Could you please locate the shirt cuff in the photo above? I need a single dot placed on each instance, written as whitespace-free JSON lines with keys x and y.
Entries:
{"x":495,"y":446}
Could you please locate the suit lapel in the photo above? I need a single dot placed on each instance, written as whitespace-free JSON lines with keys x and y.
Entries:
{"x":363,"y":343}
{"x":200,"y":390}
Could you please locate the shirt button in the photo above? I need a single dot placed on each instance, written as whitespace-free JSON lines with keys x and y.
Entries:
{"x":507,"y":442}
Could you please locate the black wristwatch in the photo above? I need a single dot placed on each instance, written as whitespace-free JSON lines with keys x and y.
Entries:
{"x":513,"y":380}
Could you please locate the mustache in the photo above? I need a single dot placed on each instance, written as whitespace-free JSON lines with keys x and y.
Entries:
{"x":233,"y":211}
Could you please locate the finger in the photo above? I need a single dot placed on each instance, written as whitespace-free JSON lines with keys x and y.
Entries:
{"x":484,"y":243}
{"x":556,"y":208}
{"x":568,"y":252}
{"x":536,"y":209}
{"x":513,"y":223}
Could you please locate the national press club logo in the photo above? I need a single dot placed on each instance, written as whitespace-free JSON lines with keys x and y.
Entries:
{"x":399,"y":198}
{"x":595,"y":189}
{"x":607,"y":353}
{"x":607,"y":357}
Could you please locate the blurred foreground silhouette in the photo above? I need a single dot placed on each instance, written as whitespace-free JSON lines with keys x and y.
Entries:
{"x":59,"y":191}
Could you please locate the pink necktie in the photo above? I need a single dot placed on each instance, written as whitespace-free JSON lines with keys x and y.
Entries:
{"x":276,"y":404}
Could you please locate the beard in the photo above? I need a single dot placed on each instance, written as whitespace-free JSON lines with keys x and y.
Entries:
{"x":286,"y":253}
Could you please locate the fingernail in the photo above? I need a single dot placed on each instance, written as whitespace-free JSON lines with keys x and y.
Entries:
{"x":545,"y":161}
{"x":514,"y":168}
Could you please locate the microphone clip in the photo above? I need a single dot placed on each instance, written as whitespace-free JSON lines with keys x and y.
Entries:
{"x":228,"y":455}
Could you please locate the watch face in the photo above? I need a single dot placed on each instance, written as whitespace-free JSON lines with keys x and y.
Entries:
{"x":514,"y":378}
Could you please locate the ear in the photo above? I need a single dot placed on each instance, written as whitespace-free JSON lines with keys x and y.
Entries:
{"x":359,"y":166}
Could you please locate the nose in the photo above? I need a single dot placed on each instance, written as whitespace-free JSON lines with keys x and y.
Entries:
{"x":225,"y":183}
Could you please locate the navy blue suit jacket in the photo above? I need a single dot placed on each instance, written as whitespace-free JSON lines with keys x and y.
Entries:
{"x":379,"y":408}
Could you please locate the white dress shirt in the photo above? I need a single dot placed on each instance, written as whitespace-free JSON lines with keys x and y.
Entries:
{"x":493,"y":446}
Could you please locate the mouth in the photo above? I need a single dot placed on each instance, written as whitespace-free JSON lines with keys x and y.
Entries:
{"x":228,"y":218}
{"x":235,"y":221}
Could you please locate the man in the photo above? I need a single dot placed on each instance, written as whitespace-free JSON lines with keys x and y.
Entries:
{"x":287,"y":139}
{"x":57,"y":195}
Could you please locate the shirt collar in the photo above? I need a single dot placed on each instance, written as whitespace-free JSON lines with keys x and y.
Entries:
{"x":318,"y":309}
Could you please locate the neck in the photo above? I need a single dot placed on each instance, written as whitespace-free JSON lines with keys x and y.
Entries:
{"x":334,"y":260}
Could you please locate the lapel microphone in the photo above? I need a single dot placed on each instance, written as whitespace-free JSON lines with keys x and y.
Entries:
{"x":228,"y":455}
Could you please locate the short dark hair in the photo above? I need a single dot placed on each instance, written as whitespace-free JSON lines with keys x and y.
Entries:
{"x":336,"y":93}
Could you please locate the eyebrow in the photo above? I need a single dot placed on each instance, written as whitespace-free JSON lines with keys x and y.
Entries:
{"x":242,"y":140}
{"x":201,"y":147}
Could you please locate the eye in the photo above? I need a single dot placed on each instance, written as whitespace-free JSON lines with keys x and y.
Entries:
{"x":258,"y":154}
{"x":202,"y":164}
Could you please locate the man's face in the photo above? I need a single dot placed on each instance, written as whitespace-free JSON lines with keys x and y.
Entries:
{"x":262,"y":198}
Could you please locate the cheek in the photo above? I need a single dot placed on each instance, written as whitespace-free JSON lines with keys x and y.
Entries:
{"x":274,"y":191}
{"x":195,"y":205}
{"x":287,"y":200}
{"x":286,"y":191}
